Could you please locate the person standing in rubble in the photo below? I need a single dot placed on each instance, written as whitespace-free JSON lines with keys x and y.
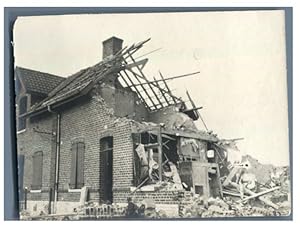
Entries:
{"x":131,"y":210}
{"x":246,"y":179}
{"x":141,"y":211}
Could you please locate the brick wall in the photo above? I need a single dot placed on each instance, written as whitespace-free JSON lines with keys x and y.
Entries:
{"x":159,"y":197}
{"x":123,"y":155}
{"x":86,"y":120}
{"x":124,"y":102}
{"x":29,"y":142}
{"x":68,"y":196}
{"x":44,"y":196}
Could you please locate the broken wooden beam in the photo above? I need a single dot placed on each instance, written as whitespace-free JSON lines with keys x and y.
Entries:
{"x":268,"y":202}
{"x":168,"y":91}
{"x":198,"y":113}
{"x":162,"y":93}
{"x":134,"y":48}
{"x":123,"y":79}
{"x":167,"y":87}
{"x":151,"y":145}
{"x":148,"y":53}
{"x":261,"y":198}
{"x":167,"y":79}
{"x":141,"y":184}
{"x":195,"y":135}
{"x":192,"y":113}
{"x":231,"y":193}
{"x":147,"y":178}
{"x":144,"y":77}
{"x":260,"y":194}
{"x":135,"y":64}
{"x":192,"y":109}
{"x":136,"y":90}
{"x":142,"y":85}
{"x":230,"y":176}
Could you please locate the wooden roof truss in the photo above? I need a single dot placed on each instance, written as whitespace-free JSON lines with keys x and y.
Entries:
{"x":154,"y":94}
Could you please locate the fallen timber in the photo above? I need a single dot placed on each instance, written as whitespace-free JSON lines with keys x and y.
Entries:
{"x":254,"y":195}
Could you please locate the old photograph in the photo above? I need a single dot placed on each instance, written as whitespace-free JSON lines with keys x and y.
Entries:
{"x":152,"y":115}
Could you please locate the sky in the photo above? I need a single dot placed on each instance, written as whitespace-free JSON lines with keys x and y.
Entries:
{"x":240,"y":55}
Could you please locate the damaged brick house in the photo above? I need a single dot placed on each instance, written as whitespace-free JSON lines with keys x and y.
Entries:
{"x":107,"y":133}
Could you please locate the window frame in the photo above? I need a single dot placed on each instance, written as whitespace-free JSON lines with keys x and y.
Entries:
{"x":22,"y":120}
{"x":33,"y":187}
{"x":77,"y":186}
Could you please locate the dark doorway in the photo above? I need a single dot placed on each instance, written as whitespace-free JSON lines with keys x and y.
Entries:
{"x":106,"y":169}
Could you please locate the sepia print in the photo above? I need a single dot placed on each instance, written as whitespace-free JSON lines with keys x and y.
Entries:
{"x":152,"y":116}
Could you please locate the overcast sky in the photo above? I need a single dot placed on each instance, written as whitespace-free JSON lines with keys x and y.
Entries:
{"x":241,"y":57}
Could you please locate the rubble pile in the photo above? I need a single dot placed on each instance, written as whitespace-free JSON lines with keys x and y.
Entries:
{"x":146,"y":209}
{"x":47,"y":217}
{"x":229,"y":207}
{"x":101,"y":211}
{"x":242,"y":196}
{"x":246,"y":192}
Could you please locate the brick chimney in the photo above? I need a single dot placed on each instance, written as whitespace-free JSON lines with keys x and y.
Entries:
{"x":111,"y":46}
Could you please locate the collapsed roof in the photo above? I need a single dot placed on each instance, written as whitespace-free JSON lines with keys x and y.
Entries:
{"x":155,"y":95}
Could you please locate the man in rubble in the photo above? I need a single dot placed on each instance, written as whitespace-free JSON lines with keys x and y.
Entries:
{"x":131,"y":210}
{"x":246,"y":179}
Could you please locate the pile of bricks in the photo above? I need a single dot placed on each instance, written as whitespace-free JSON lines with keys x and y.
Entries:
{"x":104,"y":211}
{"x":185,"y":201}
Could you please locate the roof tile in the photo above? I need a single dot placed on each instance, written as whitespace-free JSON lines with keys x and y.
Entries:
{"x":38,"y":82}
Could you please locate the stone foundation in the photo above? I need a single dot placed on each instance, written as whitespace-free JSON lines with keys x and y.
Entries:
{"x":36,"y":207}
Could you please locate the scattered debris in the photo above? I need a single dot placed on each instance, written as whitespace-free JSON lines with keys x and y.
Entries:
{"x":261,"y":171}
{"x":171,"y":154}
{"x":243,"y":195}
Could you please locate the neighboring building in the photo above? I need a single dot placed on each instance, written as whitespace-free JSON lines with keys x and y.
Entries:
{"x":97,"y":134}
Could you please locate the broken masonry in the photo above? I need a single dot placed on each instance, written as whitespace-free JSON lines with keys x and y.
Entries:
{"x":166,"y":154}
